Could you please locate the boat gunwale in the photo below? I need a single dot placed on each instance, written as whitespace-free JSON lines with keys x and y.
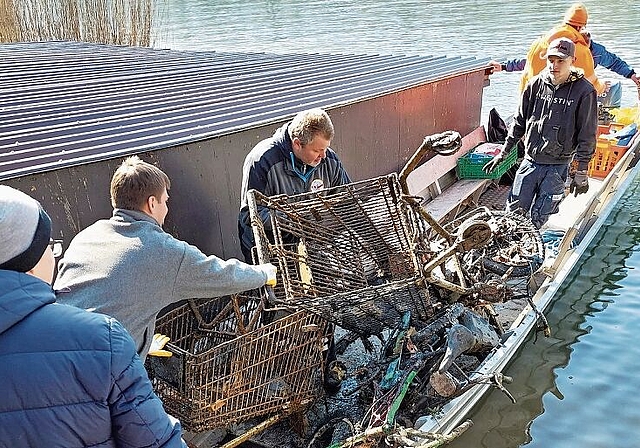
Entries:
{"x":453,"y":413}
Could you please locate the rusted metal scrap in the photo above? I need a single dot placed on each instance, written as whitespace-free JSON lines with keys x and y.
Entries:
{"x":368,"y":259}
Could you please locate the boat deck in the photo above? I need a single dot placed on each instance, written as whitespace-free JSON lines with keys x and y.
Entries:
{"x":571,"y":207}
{"x":495,"y":198}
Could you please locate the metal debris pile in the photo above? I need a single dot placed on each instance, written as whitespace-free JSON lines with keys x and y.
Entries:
{"x":391,"y":311}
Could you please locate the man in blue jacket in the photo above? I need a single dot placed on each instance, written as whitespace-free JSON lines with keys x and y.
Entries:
{"x":296,"y":159}
{"x":70,"y":378}
{"x":601,"y":56}
{"x":558,"y":118}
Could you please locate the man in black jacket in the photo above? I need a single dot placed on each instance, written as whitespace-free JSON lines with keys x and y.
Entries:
{"x":558,"y":118}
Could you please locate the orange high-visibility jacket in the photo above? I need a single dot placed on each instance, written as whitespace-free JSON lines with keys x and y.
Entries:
{"x":536,"y":60}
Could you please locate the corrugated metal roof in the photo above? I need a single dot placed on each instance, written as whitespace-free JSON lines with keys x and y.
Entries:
{"x":68,"y":103}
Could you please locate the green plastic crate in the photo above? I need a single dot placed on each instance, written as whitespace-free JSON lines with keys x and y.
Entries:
{"x":471,"y":167}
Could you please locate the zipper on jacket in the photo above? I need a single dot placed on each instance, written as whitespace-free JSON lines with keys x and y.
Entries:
{"x":302,"y":175}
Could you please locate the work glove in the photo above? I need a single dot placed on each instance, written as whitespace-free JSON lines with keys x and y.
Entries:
{"x":579,"y":184}
{"x":271,"y":272}
{"x":157,"y":344}
{"x":493,"y":163}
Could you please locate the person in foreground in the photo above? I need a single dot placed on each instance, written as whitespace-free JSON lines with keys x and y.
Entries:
{"x":130,"y":268}
{"x":296,"y":159}
{"x":69,"y":378}
{"x":558,"y":117}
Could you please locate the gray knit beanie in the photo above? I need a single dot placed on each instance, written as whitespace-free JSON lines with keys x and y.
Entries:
{"x":25,"y":230}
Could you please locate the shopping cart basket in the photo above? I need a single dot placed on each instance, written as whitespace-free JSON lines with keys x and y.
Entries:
{"x":347,"y":254}
{"x":227,"y":366}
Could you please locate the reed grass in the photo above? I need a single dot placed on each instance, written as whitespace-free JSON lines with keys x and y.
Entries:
{"x":120,"y":22}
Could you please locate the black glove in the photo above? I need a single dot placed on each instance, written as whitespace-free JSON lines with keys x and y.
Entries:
{"x":493,"y":163}
{"x":580,"y":183}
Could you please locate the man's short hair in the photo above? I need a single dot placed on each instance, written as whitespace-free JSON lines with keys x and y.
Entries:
{"x":134,"y":182}
{"x":307,"y":124}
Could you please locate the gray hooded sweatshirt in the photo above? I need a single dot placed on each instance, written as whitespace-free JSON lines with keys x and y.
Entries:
{"x":129,"y":268}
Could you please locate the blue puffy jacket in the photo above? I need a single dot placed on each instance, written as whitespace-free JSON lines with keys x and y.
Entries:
{"x":71,"y":378}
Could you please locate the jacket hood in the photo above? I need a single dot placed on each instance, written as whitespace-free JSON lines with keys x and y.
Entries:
{"x":574,"y":75}
{"x":282,"y":140}
{"x":21,"y":295}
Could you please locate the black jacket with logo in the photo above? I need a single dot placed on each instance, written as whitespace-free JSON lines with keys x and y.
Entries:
{"x":557,"y":122}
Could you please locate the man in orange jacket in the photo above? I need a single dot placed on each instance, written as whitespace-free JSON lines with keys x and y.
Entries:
{"x":574,"y":20}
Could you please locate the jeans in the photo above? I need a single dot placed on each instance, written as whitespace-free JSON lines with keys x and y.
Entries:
{"x":538,"y":190}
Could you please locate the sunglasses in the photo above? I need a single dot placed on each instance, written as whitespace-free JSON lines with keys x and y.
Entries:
{"x":56,"y":247}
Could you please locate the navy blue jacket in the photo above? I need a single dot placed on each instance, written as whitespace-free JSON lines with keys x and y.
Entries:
{"x":272,"y":169}
{"x":71,"y":378}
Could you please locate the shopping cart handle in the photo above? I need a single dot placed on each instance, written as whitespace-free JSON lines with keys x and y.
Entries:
{"x":445,"y":144}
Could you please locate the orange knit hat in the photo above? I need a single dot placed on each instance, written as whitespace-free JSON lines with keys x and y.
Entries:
{"x":576,"y":15}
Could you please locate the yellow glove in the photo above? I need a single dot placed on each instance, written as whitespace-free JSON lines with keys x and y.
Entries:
{"x":157,"y":345}
{"x":271,"y":272}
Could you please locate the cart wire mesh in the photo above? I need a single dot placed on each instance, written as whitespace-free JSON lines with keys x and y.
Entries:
{"x":347,"y":254}
{"x":223,"y":371}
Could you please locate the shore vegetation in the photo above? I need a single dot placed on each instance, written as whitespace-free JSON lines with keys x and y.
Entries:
{"x":119,"y":22}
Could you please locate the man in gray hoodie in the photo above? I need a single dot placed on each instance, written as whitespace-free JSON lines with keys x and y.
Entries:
{"x":128,"y":267}
{"x":558,"y":118}
{"x":69,"y":378}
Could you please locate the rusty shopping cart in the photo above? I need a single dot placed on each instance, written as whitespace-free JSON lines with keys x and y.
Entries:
{"x":228,"y":365}
{"x":348,"y":254}
{"x":360,"y":255}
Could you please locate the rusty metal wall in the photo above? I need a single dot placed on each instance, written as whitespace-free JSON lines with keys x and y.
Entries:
{"x":373,"y":137}
{"x":378,"y":136}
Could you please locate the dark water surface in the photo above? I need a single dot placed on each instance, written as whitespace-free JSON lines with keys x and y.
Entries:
{"x":578,"y":388}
